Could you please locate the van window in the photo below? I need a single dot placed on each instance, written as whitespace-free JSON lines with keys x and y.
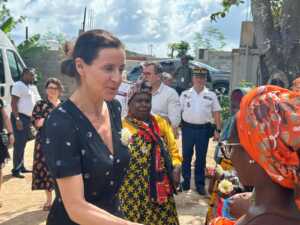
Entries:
{"x":15,"y":65}
{"x":2,"y":74}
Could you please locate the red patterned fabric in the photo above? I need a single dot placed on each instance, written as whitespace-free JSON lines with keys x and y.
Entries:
{"x":160,"y":187}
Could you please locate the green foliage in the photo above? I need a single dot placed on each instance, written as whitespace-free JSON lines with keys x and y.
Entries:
{"x":28,"y":45}
{"x":210,"y":38}
{"x":276,"y":7}
{"x":181,"y":48}
{"x":225,"y":99}
{"x":39,"y":76}
{"x":7,"y":21}
{"x":246,"y":84}
{"x":225,"y":104}
{"x":226,"y":5}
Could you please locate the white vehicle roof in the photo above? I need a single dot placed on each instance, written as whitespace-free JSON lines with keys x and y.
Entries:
{"x":4,"y":41}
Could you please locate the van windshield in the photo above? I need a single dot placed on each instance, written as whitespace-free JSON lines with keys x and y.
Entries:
{"x":15,"y":65}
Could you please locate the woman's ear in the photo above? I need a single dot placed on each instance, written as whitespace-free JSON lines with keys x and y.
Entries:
{"x":79,"y":65}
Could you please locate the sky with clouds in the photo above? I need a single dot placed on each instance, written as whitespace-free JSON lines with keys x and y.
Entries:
{"x":138,"y":23}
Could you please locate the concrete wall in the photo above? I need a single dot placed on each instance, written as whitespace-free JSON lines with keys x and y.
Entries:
{"x":48,"y":63}
{"x":244,"y":67}
{"x":219,"y":59}
{"x":245,"y":59}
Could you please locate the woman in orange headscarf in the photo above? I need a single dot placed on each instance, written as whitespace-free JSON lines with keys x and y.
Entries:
{"x":265,"y":141}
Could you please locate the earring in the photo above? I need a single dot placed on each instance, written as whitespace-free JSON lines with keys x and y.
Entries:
{"x":251,"y":161}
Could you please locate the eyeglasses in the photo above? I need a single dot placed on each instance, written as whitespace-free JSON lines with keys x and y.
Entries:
{"x":53,"y":88}
{"x":226,"y":148}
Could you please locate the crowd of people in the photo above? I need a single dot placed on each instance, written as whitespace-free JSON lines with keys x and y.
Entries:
{"x":111,"y":169}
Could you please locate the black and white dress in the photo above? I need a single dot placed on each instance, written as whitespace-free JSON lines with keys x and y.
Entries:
{"x":72,"y":146}
{"x":4,"y":155}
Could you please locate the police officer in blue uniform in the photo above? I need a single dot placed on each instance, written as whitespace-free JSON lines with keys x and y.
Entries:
{"x":200,"y":110}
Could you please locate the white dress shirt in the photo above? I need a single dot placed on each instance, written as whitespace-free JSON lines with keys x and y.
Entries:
{"x":198,"y":108}
{"x":122,"y":96}
{"x":165,"y":102}
{"x":28,"y":96}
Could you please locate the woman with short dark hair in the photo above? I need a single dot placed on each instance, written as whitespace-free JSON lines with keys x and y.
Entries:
{"x":41,"y":179}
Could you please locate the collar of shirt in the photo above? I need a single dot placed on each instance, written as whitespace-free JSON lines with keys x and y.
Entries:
{"x":205,"y":90}
{"x":161,"y":87}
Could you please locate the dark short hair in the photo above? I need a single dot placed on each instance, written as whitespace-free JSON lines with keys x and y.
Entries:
{"x":277,"y":82}
{"x":87,"y":48}
{"x":157,"y":67}
{"x":55,"y":81}
{"x":28,"y":70}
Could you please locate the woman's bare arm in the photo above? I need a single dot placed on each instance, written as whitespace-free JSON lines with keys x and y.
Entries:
{"x":79,"y":210}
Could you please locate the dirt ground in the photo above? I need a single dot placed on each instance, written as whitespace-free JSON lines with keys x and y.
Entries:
{"x":21,"y":206}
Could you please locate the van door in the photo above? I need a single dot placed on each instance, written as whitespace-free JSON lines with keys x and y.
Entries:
{"x":3,"y":93}
{"x":11,"y":68}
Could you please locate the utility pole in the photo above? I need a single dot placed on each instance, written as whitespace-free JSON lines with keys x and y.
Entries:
{"x":26,"y":33}
{"x":84,"y":18}
{"x":151,"y":48}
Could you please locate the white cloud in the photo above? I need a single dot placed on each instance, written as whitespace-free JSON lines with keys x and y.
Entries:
{"x":138,"y":23}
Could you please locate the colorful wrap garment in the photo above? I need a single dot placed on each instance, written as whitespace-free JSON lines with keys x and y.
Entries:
{"x":146,"y":195}
{"x":268,"y":125}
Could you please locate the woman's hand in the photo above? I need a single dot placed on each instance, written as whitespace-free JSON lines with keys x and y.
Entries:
{"x":216,"y":136}
{"x":11,"y":139}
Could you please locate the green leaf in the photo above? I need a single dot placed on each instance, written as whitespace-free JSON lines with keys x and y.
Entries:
{"x":8,"y":25}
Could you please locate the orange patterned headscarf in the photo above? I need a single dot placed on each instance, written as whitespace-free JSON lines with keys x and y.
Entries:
{"x":268,"y":125}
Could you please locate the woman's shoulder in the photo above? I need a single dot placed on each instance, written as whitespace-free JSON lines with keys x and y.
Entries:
{"x":61,"y":116}
{"x":161,"y":121}
{"x":41,"y":102}
{"x":158,"y":118}
{"x":271,"y":219}
{"x":127,"y":125}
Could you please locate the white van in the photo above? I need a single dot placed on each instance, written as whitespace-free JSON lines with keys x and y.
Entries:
{"x":11,"y":67}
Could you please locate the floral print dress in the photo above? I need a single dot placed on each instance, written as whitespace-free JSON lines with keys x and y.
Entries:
{"x":41,"y":179}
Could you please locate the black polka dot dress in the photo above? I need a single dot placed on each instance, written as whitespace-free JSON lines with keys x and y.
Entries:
{"x":72,"y":146}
